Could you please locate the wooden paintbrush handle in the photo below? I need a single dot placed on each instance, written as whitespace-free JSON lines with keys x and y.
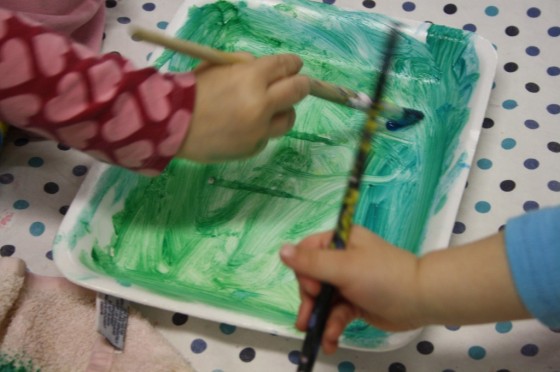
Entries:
{"x":337,"y":94}
{"x":320,"y":89}
{"x":195,"y":50}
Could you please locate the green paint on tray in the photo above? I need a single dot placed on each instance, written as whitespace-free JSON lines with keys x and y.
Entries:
{"x":16,"y":363}
{"x":211,"y":233}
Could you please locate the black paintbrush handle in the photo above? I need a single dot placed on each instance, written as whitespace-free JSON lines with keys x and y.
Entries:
{"x":316,"y":328}
{"x":321,"y":309}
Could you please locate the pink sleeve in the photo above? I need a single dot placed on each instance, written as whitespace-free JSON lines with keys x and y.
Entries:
{"x":102,"y":105}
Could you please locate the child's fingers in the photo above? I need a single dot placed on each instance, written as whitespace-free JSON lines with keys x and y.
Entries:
{"x":282,"y":123}
{"x":309,"y":286}
{"x":278,"y":66}
{"x":259,"y":146}
{"x":341,"y":315}
{"x":245,"y":56}
{"x":304,"y":312}
{"x":242,"y":56}
{"x":319,"y":240}
{"x":284,"y":94}
{"x":321,"y":264}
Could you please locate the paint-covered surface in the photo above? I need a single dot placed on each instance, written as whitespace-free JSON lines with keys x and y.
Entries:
{"x":210,"y":234}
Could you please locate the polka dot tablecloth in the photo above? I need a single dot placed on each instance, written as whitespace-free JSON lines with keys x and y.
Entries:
{"x":516,"y":169}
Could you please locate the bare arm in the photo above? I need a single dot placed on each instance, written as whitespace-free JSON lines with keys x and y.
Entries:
{"x":469,"y":284}
{"x":394,"y":290}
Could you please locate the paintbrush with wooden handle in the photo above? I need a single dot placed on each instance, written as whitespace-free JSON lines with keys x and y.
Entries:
{"x":398,"y":116}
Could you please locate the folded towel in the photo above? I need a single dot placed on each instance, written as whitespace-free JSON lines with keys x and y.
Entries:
{"x":49,"y":324}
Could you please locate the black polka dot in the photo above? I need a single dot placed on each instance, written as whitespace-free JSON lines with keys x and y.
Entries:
{"x":553,"y":146}
{"x":530,"y":350}
{"x":554,"y":31}
{"x":532,"y":87}
{"x":487,"y":123}
{"x":511,"y":67}
{"x":459,"y":228}
{"x":531,"y":124}
{"x":507,"y":185}
{"x":49,"y":255}
{"x":110,"y":3}
{"x":530,"y":205}
{"x":369,"y":4}
{"x":247,"y":354}
{"x":6,"y":178}
{"x":512,"y":31}
{"x":51,"y":188}
{"x":7,"y":250}
{"x":425,"y":347}
{"x":450,"y":9}
{"x":62,"y":210}
{"x":397,"y":367}
{"x":453,"y":327}
{"x":502,"y":228}
{"x":22,"y":141}
{"x":63,"y":147}
{"x":79,"y":170}
{"x":179,"y":319}
{"x":503,"y":370}
{"x":533,"y":12}
{"x":469,"y":27}
{"x":555,"y":330}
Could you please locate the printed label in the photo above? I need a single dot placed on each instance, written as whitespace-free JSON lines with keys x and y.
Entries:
{"x":112,"y":319}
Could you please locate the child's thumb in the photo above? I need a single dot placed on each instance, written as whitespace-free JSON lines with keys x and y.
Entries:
{"x":320,"y":264}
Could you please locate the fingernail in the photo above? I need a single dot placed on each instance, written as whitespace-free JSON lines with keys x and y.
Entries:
{"x":288,"y":251}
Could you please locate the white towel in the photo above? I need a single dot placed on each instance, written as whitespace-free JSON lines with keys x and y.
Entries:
{"x":48,"y":324}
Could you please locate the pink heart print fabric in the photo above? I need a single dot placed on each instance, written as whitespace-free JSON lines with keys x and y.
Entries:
{"x":99,"y":104}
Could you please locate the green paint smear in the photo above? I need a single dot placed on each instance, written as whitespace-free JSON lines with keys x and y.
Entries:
{"x":17,"y":363}
{"x":211,"y":233}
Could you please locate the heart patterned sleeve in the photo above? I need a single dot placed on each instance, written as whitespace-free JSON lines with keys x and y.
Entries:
{"x":99,"y":104}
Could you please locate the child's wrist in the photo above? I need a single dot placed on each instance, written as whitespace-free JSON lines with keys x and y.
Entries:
{"x":426,"y":305}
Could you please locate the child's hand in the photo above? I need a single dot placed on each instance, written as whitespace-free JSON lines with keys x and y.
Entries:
{"x":376,"y":281}
{"x":239,"y":107}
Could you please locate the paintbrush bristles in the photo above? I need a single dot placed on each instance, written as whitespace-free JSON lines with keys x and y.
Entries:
{"x":341,"y":95}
